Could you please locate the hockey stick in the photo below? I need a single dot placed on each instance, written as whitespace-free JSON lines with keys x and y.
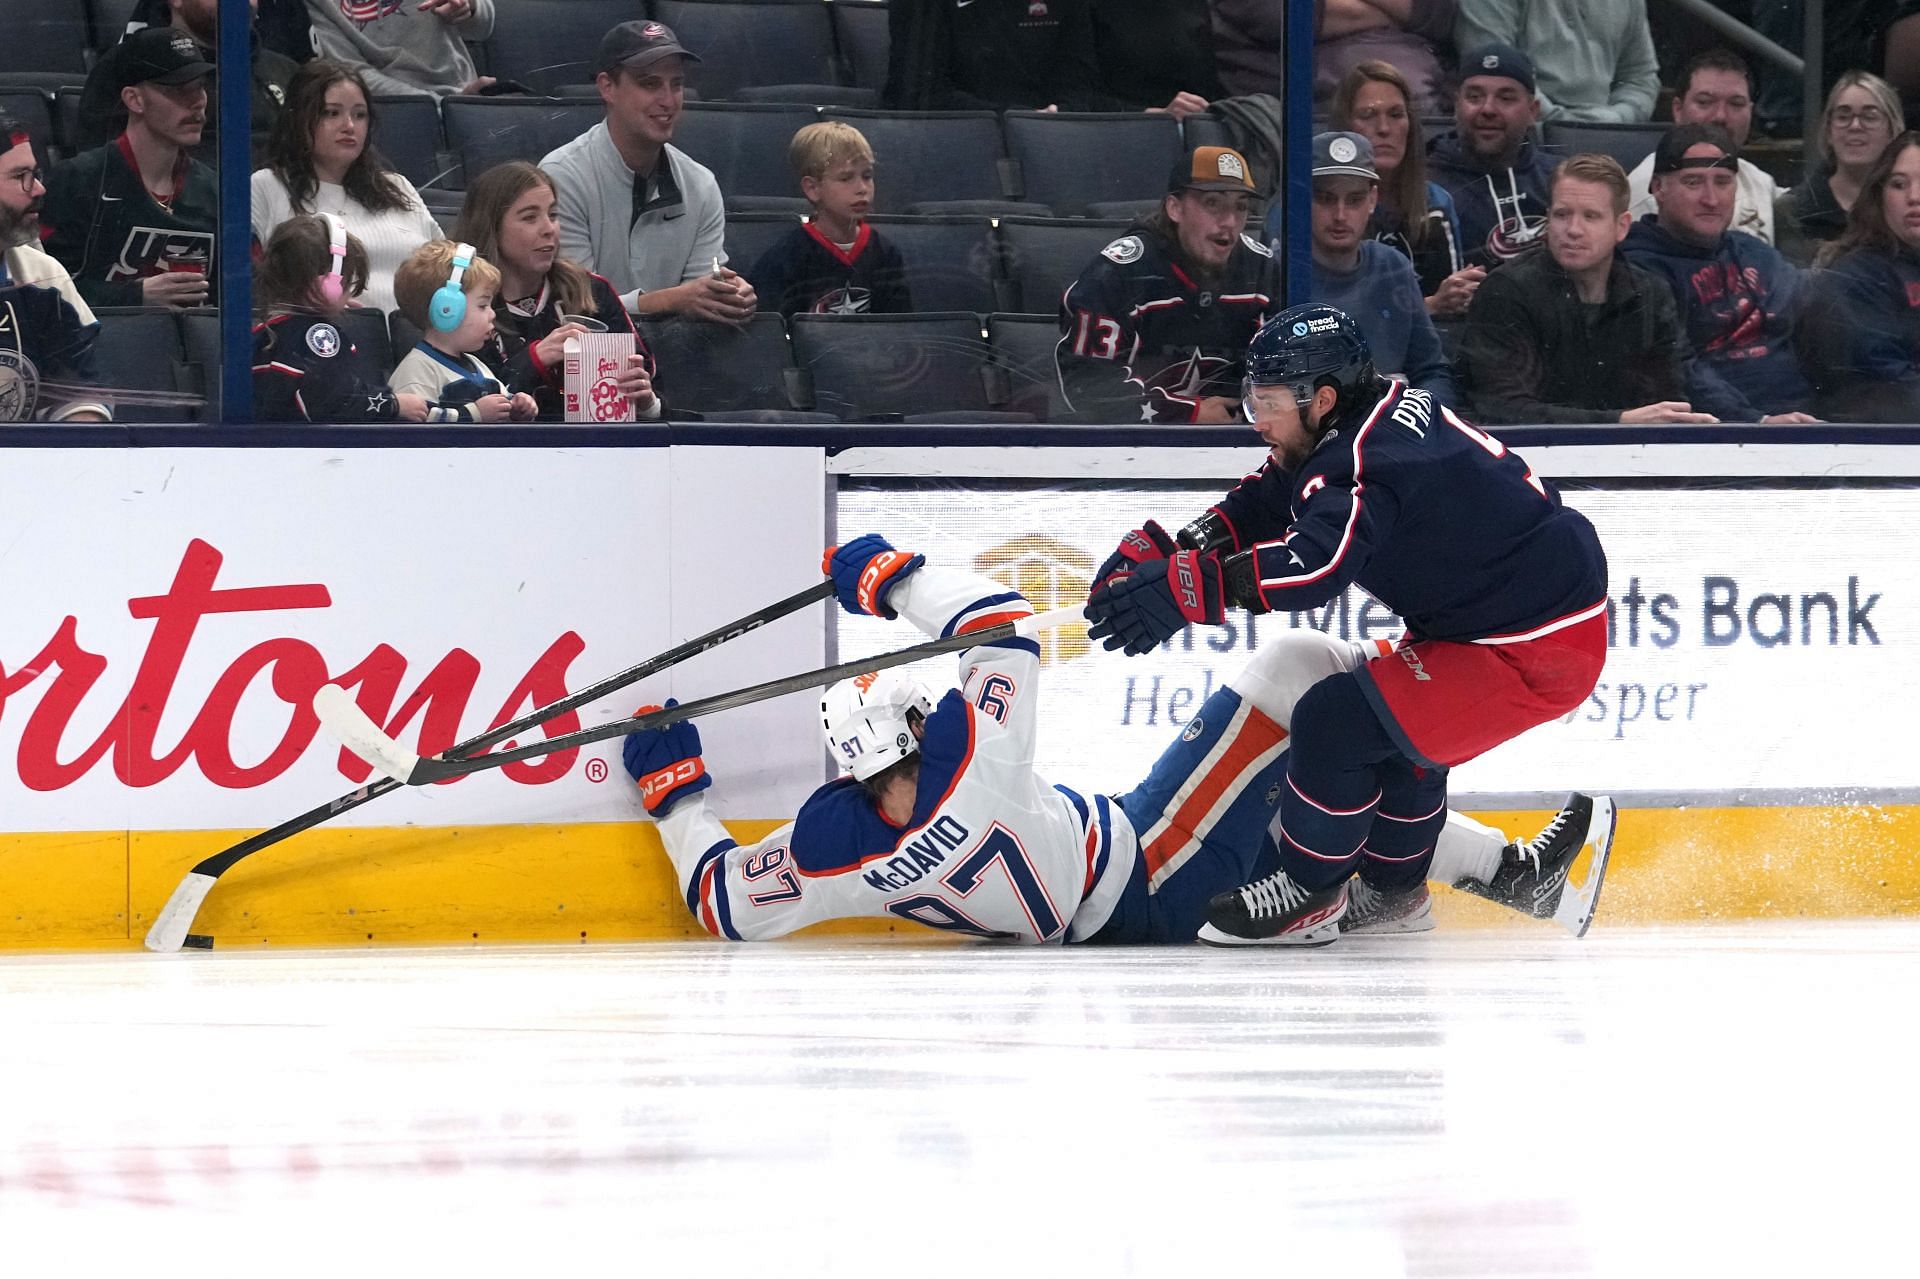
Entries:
{"x":170,"y":927}
{"x":359,"y":734}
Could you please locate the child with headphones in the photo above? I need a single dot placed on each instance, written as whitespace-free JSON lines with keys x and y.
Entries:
{"x":305,"y":368}
{"x":447,"y":290}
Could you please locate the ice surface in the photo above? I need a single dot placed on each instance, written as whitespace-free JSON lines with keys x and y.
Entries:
{"x":1707,"y":1102}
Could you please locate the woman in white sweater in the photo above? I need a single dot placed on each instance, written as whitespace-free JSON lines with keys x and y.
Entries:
{"x":320,"y":161}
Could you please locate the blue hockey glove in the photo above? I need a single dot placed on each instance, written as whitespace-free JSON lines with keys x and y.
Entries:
{"x":665,"y":763}
{"x":865,"y":571}
{"x":1140,"y":610}
{"x":1148,"y":542}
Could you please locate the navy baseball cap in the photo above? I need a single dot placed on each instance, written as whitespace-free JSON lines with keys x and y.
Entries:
{"x":1498,"y":60}
{"x":1349,"y":155}
{"x":638,"y":44}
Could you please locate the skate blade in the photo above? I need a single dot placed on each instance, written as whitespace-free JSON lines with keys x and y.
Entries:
{"x":1580,"y":898}
{"x":1324,"y":934}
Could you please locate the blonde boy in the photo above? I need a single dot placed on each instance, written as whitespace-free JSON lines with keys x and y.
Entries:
{"x":442,"y":367}
{"x":835,"y":263}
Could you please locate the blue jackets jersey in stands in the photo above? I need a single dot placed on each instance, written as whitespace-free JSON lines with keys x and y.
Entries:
{"x":1502,"y":211}
{"x":1143,"y":341}
{"x":519,"y":324}
{"x":805,"y":272}
{"x":44,"y":318}
{"x":1431,"y":516}
{"x":306,"y":370}
{"x":1738,"y":302}
{"x":1859,"y":338}
{"x":991,"y":848}
{"x":110,"y":232}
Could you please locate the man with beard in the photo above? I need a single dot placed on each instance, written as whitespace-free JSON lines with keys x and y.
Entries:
{"x":1156,"y":329}
{"x":133,"y":221}
{"x":1502,"y":588}
{"x":43,"y":319}
{"x":1497,"y":177}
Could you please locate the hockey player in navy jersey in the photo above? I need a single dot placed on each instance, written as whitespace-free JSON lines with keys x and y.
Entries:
{"x":944,"y":822}
{"x":1503,"y":590}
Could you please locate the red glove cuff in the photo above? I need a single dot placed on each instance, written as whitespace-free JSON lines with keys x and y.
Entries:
{"x":655,"y":787}
{"x":879,"y":571}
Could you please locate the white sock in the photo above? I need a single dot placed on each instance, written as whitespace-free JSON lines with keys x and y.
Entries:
{"x":1467,"y":850}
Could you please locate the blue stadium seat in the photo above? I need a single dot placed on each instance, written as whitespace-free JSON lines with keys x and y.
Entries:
{"x":139,"y":348}
{"x":200,"y":345}
{"x":869,"y":367}
{"x":483,"y":132}
{"x":367,"y":329}
{"x":931,"y":155}
{"x":46,"y":36}
{"x":717,"y":369}
{"x":751,"y":234}
{"x":34,"y":109}
{"x":815,"y":95}
{"x":108,"y":21}
{"x":1041,"y":257}
{"x":1069,"y":160}
{"x":1023,"y":352}
{"x":406,"y":129}
{"x":547,"y":43}
{"x":1627,"y":143}
{"x":950,"y":260}
{"x":743,"y":42}
{"x":744,"y":143}
{"x":860,"y":31}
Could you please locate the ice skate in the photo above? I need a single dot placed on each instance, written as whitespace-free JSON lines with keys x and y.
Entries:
{"x":1275,"y":911}
{"x":1373,"y":910}
{"x":1548,"y":877}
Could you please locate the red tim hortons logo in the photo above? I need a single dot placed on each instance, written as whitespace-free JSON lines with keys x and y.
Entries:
{"x":67,"y":675}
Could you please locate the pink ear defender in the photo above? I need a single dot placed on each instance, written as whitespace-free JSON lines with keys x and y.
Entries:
{"x":331,"y":287}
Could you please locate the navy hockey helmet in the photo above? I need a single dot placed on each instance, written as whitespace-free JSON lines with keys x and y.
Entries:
{"x":1308,"y":347}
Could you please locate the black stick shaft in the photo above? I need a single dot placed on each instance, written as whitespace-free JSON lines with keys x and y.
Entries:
{"x":219,"y":862}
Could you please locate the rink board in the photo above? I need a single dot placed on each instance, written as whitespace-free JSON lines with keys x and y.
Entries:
{"x":170,"y":611}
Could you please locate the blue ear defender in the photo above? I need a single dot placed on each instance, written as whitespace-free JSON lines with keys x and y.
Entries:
{"x":449,"y":304}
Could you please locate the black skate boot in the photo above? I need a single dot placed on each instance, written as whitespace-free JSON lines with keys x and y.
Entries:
{"x":1547,"y":877}
{"x":1275,"y":911}
{"x":1373,"y":910}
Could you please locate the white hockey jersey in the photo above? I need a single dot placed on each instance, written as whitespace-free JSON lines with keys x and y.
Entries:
{"x":992,"y":850}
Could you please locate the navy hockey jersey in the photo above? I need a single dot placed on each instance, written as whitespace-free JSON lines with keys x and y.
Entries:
{"x":1143,"y":341}
{"x":517,"y":328}
{"x":44,"y":318}
{"x":1433,"y":517}
{"x":805,"y":272}
{"x":305,"y":369}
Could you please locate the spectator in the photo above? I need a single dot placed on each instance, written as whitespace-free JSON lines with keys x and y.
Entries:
{"x":1594,"y":58}
{"x":1859,"y":338}
{"x":1488,"y":164}
{"x":50,"y":325}
{"x":321,"y":160}
{"x":1863,"y":114}
{"x":442,"y":368}
{"x":1414,"y":216}
{"x":102,"y":117}
{"x":305,"y":368}
{"x":993,"y":55}
{"x":1415,"y":37}
{"x":1571,"y":331}
{"x":1716,"y":87}
{"x":511,"y":217}
{"x":133,"y":221}
{"x":400,"y":46}
{"x":1365,"y":278}
{"x":836,"y":263}
{"x":636,"y":209}
{"x":1156,"y":55}
{"x":1156,"y":328}
{"x":1737,"y":296}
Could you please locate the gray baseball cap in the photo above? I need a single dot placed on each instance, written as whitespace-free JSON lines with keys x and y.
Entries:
{"x":1337,"y":155}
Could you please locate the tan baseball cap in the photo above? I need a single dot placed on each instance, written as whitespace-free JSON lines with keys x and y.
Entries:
{"x":1211,"y":169}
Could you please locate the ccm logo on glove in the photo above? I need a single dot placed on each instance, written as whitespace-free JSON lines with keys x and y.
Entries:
{"x":654,"y":785}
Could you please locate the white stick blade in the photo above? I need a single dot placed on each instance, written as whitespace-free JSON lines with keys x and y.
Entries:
{"x":1028,"y":626}
{"x":175,"y":920}
{"x":357,"y":732}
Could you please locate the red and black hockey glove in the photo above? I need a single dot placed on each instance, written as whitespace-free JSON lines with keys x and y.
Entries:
{"x":1148,"y":542}
{"x":1141,"y":610}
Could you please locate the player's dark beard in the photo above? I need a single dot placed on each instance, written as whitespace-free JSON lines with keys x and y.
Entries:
{"x":14,"y":226}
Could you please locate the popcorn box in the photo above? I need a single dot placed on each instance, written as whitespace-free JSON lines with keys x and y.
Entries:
{"x":591,"y":363}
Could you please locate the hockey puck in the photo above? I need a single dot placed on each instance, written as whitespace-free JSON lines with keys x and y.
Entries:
{"x":198,"y":941}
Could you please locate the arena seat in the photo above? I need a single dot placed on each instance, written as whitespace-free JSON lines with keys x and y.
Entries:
{"x":65,"y":112}
{"x":978,"y":209}
{"x":48,"y":36}
{"x":860,"y":31}
{"x":815,"y":95}
{"x":869,"y":367}
{"x":1069,"y":160}
{"x":931,"y":155}
{"x":743,"y":42}
{"x":950,"y":260}
{"x":108,"y":21}
{"x":1627,"y":143}
{"x":139,"y":348}
{"x":547,"y":43}
{"x":751,"y":234}
{"x":744,"y":143}
{"x":200,"y":348}
{"x":1023,"y":352}
{"x":792,"y":206}
{"x":1205,"y":130}
{"x":718,"y":369}
{"x":483,"y":132}
{"x":1042,"y":256}
{"x":367,"y":328}
{"x":406,"y":129}
{"x":34,"y":109}
{"x":1123,"y":209}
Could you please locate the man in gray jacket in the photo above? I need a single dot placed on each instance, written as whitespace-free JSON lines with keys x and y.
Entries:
{"x":404,"y":47}
{"x":1594,"y":58}
{"x":635,"y":209}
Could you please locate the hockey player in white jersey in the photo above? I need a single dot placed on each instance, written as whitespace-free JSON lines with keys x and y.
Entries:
{"x":944,"y":822}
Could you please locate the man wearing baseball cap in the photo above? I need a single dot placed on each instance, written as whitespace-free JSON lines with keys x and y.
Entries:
{"x":133,"y":221}
{"x":1497,"y":177}
{"x":1156,"y":328}
{"x":634,"y":208}
{"x":1595,"y":57}
{"x":1371,"y":282}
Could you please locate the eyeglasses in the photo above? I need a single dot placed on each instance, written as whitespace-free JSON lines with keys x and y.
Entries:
{"x":26,"y":178}
{"x":1865,"y":117}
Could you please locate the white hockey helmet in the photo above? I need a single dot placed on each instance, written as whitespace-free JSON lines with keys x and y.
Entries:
{"x":865,"y":720}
